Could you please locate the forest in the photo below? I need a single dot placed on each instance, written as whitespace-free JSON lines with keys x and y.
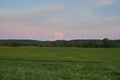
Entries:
{"x":90,"y":43}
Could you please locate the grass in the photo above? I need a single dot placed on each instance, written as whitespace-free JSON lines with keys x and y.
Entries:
{"x":35,"y":63}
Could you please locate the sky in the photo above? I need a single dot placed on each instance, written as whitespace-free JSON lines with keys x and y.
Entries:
{"x":59,"y":19}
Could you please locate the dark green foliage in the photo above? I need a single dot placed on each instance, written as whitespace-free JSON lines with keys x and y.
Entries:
{"x":13,"y":44}
{"x":106,"y":43}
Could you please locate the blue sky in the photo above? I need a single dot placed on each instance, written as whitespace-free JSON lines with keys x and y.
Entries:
{"x":59,"y":19}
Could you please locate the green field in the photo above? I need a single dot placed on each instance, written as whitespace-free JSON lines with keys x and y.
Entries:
{"x":36,"y":63}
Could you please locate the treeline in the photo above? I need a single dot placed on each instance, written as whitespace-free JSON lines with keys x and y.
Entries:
{"x":105,"y":43}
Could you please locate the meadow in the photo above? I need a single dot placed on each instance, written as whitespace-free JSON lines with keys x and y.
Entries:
{"x":59,"y":63}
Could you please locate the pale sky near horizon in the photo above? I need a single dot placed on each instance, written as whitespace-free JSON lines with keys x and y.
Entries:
{"x":59,"y":19}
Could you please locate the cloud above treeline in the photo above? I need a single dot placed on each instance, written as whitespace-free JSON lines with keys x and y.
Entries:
{"x":50,"y":22}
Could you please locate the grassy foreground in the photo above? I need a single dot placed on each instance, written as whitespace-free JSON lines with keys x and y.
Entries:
{"x":35,"y":63}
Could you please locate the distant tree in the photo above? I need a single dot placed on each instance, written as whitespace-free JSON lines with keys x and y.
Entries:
{"x":63,"y":43}
{"x":108,"y":43}
{"x":13,"y":44}
{"x":6,"y":44}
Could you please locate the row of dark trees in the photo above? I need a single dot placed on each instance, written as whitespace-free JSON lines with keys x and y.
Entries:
{"x":63,"y":43}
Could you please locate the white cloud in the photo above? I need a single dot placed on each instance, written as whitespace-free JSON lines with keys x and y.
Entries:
{"x":94,"y":4}
{"x":50,"y":9}
{"x":103,"y":3}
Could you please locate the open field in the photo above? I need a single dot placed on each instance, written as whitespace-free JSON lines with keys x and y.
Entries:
{"x":36,"y":63}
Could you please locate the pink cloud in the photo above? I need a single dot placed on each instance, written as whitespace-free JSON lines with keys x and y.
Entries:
{"x":59,"y":36}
